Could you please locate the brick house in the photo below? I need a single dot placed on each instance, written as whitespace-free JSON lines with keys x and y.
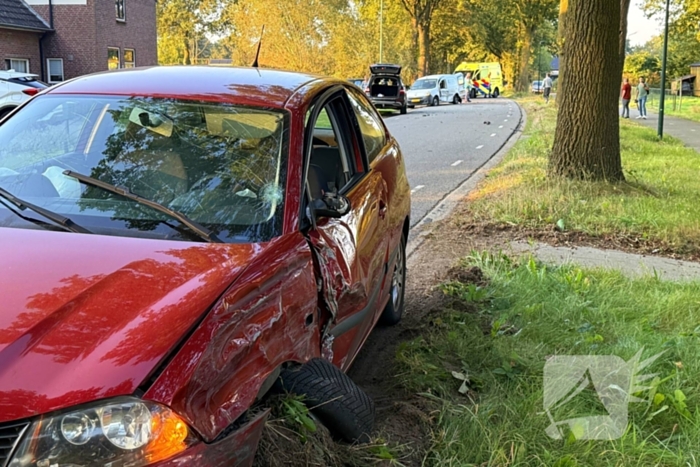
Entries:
{"x":62,"y":39}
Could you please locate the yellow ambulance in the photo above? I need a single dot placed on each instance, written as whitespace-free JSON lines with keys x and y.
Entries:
{"x":487,"y":78}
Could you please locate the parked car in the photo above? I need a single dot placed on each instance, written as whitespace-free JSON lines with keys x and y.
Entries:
{"x":537,"y":87}
{"x":178,"y":242}
{"x":385,"y":88}
{"x":16,"y":88}
{"x":359,"y":82}
{"x":434,"y":89}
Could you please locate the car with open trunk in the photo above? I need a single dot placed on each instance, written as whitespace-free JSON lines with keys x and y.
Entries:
{"x":386,"y":89}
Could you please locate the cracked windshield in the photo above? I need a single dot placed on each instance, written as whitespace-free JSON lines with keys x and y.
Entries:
{"x":221,"y":166}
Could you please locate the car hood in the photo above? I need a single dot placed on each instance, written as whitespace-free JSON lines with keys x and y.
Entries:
{"x":418,"y":93}
{"x":86,"y":317}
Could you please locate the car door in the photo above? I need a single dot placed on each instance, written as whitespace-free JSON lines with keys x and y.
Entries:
{"x":351,"y":251}
{"x":444,"y":91}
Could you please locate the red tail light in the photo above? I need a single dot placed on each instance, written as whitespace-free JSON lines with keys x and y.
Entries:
{"x":30,"y":91}
{"x":401,"y":92}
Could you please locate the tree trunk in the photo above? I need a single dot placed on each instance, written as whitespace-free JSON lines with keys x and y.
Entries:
{"x":624,"y":12}
{"x":414,"y":44}
{"x":186,"y":59}
{"x":524,"y":68}
{"x":563,"y":8}
{"x":423,"y":47}
{"x":587,"y":137}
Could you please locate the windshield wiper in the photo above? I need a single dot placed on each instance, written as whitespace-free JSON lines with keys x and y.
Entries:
{"x":201,"y":231}
{"x":63,"y":221}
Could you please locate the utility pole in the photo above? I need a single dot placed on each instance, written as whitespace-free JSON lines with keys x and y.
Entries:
{"x":662,"y":99}
{"x":381,"y":31}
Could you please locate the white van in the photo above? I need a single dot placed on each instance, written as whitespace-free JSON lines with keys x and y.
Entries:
{"x":434,"y":90}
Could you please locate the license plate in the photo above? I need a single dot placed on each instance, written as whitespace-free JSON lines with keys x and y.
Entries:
{"x":415,"y":100}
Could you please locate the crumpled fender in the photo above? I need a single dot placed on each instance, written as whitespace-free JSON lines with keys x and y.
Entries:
{"x":267,"y":317}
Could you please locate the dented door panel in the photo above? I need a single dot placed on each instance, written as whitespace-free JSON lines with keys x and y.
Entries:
{"x":270,"y":317}
{"x":352,"y":256}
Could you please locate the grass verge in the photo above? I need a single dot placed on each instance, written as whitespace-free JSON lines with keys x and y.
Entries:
{"x":688,"y":108}
{"x":483,"y":357}
{"x":658,"y":202}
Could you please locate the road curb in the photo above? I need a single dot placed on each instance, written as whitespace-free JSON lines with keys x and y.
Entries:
{"x":420,"y":232}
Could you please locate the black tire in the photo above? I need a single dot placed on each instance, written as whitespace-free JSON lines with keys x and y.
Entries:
{"x":394,"y":309}
{"x":435,"y":102}
{"x":403,"y":110}
{"x":4,"y":112}
{"x":473,"y":93}
{"x":456,"y":100}
{"x":496,"y":93}
{"x":345,"y":409}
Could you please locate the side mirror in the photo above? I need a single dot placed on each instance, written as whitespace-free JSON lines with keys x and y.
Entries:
{"x":331,"y":205}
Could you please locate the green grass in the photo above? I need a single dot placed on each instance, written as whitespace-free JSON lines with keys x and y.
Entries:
{"x":534,"y":311}
{"x":659,"y":201}
{"x":688,"y":108}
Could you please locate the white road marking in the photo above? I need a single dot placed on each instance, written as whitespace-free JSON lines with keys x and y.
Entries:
{"x":500,"y":127}
{"x":493,"y":134}
{"x":455,"y":164}
{"x":479,"y":147}
{"x":419,"y":187}
{"x":505,"y":120}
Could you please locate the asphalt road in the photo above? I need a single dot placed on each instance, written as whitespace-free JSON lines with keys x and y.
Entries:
{"x":444,"y":145}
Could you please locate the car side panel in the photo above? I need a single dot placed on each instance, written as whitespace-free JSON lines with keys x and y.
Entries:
{"x":268,"y":317}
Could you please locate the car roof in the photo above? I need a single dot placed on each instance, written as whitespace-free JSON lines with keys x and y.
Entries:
{"x":8,"y":74}
{"x":243,"y":86}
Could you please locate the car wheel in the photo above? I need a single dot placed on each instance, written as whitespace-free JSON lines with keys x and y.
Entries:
{"x":394,"y":309}
{"x":436,"y":101}
{"x":403,"y":110}
{"x":456,"y":100}
{"x":496,"y":93}
{"x":4,"y":112}
{"x":345,"y":409}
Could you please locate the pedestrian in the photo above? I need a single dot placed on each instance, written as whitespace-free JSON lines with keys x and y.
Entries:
{"x":468,"y":84}
{"x":626,"y":95}
{"x":642,"y":94}
{"x":547,"y":85}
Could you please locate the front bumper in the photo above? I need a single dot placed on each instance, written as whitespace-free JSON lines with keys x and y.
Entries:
{"x":235,"y":450}
{"x":423,"y":100}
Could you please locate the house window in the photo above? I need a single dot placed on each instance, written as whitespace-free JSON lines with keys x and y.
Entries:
{"x":121,"y":15}
{"x":55,"y":67}
{"x":113,"y":58}
{"x":20,"y":65}
{"x":129,"y":58}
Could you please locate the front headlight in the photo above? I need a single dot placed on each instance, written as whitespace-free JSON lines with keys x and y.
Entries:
{"x":126,"y":432}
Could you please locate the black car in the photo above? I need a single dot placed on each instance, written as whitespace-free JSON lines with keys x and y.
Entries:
{"x":385,"y":88}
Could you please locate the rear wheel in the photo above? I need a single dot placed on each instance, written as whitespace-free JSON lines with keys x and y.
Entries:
{"x":394,"y":309}
{"x":404,"y":109}
{"x":345,"y":409}
{"x":456,"y":99}
{"x":496,"y":93}
{"x":436,"y":101}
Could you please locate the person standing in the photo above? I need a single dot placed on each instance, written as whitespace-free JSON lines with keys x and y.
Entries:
{"x":468,"y":84}
{"x":626,"y":95}
{"x":642,"y":94}
{"x":547,"y":85}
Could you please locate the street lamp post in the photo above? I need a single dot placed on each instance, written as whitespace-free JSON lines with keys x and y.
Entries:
{"x":662,"y":98}
{"x":381,"y":31}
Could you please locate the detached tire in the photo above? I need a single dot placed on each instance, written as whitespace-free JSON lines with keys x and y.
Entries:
{"x":394,"y":309}
{"x":333,"y":398}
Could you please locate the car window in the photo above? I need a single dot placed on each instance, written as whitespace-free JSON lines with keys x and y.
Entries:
{"x":330,"y":167}
{"x":373,"y":134}
{"x":220,"y":165}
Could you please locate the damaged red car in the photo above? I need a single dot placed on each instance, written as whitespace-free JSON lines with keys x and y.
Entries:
{"x":178,"y":242}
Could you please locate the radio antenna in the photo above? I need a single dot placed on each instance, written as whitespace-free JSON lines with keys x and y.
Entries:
{"x":257,"y":54}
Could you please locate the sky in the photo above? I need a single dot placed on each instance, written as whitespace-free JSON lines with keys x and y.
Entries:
{"x":641,"y":29}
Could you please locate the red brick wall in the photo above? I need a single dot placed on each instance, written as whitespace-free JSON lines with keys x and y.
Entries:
{"x":20,"y":44}
{"x":74,"y":39}
{"x":138,"y":32}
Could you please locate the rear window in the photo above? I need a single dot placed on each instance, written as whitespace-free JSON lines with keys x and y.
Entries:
{"x":31,"y":82}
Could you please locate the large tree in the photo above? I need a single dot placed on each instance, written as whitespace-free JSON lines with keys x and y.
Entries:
{"x":421,"y":13}
{"x":587,"y":136}
{"x":531,"y":16}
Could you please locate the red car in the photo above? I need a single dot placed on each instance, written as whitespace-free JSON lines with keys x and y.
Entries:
{"x":177,"y":242}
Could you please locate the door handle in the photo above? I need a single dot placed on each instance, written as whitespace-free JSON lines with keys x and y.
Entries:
{"x":382,"y":209}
